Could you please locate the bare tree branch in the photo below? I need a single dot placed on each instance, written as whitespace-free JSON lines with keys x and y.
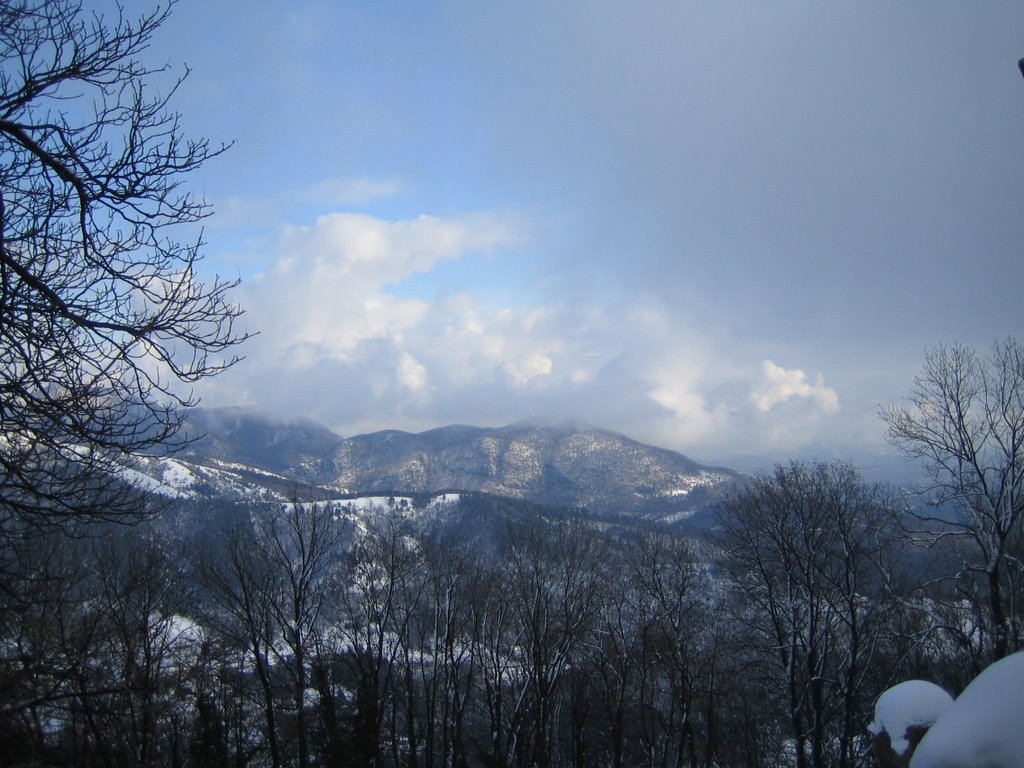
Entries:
{"x":102,"y":315}
{"x":965,"y":420}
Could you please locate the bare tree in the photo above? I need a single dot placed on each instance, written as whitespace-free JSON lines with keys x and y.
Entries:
{"x":242,"y":584}
{"x":146,"y":645}
{"x":614,"y":652}
{"x":95,"y":663}
{"x":803,"y":548}
{"x":438,"y":658}
{"x":671,"y":589}
{"x":103,"y":320}
{"x":554,"y":580}
{"x":966,"y":422}
{"x":385,"y":584}
{"x":302,"y":543}
{"x":49,"y":637}
{"x":496,"y":637}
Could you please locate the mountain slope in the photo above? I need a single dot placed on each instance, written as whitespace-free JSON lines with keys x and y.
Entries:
{"x":559,"y":465}
{"x":244,"y":436}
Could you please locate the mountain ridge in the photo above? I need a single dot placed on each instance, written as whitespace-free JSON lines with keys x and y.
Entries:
{"x":556,"y":463}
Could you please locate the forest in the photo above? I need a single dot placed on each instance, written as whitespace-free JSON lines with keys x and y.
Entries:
{"x":308,"y":634}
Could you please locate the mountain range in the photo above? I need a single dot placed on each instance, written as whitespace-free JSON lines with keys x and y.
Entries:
{"x":239,"y":453}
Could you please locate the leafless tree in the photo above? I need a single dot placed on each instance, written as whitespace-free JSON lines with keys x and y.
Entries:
{"x":672,"y":592}
{"x":437,"y":651}
{"x":94,"y":665}
{"x":104,"y":321}
{"x":496,"y":637}
{"x":49,"y":636}
{"x":242,"y":585}
{"x":616,"y":656}
{"x":377,"y":604}
{"x":965,"y":421}
{"x":804,"y":546}
{"x":302,"y":543}
{"x":146,"y":647}
{"x":554,"y":580}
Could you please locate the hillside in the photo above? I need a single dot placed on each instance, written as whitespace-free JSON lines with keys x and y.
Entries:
{"x":560,"y":465}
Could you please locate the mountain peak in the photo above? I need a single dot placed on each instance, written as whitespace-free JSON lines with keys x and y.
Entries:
{"x":249,"y":436}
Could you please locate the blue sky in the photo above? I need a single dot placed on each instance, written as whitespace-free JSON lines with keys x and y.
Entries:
{"x":725,"y":228}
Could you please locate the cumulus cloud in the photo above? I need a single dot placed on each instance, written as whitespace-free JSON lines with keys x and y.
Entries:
{"x":515,"y":344}
{"x":326,"y":291}
{"x":778,"y":385}
{"x":352,"y":336}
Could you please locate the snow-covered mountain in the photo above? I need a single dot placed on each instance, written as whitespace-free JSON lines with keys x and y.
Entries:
{"x":238,"y":453}
{"x":566,"y":465}
{"x":242,"y":436}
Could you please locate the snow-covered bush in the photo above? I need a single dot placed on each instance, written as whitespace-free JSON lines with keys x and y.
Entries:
{"x":903,"y":714}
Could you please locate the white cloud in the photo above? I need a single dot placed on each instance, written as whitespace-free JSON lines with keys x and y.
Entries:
{"x":347,"y":339}
{"x":412,"y":374}
{"x":326,"y":292}
{"x":778,"y":385}
{"x":467,"y":344}
{"x":354,"y":191}
{"x":536,"y":364}
{"x":678,"y":371}
{"x":692,"y":419}
{"x":710,"y":206}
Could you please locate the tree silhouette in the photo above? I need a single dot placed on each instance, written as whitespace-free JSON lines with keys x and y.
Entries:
{"x":104,"y":321}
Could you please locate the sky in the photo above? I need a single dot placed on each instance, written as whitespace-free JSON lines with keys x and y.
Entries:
{"x":731,"y":229}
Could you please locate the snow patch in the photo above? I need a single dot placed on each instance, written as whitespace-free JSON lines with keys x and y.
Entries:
{"x":176,"y":475}
{"x":675,"y":517}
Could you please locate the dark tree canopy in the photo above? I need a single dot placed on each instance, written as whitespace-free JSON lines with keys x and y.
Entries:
{"x":103,"y":320}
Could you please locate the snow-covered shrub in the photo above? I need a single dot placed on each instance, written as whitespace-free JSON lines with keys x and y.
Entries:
{"x":903,"y":714}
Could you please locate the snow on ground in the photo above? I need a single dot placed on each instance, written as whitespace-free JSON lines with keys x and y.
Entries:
{"x":675,"y":517}
{"x":235,"y":467}
{"x":403,"y":504}
{"x":687,"y":483}
{"x":365,"y":503}
{"x":904,"y":706}
{"x":446,"y":498}
{"x":166,"y":477}
{"x":360,"y":509}
{"x":984,"y":727}
{"x":145,"y":482}
{"x":176,"y":475}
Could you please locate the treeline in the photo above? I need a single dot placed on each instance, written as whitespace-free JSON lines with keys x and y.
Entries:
{"x":309,"y":635}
